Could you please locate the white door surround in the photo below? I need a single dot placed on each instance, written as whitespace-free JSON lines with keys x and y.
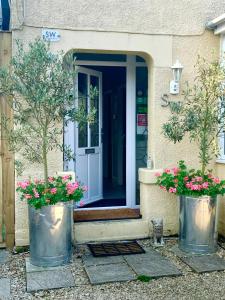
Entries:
{"x":69,"y":133}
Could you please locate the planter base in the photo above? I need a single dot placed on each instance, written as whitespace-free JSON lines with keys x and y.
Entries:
{"x":198,"y":232}
{"x":51,"y":229}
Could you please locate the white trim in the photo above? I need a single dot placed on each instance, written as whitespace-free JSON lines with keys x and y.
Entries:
{"x":220,"y":161}
{"x":131,"y":131}
{"x":216,"y":21}
{"x":130,"y":65}
{"x":107,"y":63}
{"x":220,"y":29}
{"x":221,"y":139}
{"x":217,"y":24}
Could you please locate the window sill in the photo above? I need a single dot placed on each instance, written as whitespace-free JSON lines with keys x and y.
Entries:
{"x":220,"y":161}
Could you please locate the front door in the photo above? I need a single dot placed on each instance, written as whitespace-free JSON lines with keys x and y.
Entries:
{"x":88,"y":142}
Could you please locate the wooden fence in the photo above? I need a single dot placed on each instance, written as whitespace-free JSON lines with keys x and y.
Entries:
{"x":7,"y":176}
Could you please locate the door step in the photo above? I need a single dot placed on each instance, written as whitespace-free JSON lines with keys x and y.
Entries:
{"x":106,"y":214}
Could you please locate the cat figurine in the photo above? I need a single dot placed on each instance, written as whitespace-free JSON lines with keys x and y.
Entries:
{"x":158,"y":232}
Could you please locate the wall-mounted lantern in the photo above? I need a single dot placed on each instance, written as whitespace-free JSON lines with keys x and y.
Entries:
{"x":174,"y":84}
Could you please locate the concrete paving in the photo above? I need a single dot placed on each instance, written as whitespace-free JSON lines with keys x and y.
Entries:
{"x":110,"y":273}
{"x":40,"y":278}
{"x":152,"y":264}
{"x":4,"y":288}
{"x":124,"y":268}
{"x":4,"y":256}
{"x":178,"y":252}
{"x":90,"y":260}
{"x":205,"y":263}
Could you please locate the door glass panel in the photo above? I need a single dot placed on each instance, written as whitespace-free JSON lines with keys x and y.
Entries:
{"x":141,"y":123}
{"x":94,"y":104}
{"x":83,"y":105}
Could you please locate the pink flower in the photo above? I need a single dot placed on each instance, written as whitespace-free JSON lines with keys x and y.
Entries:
{"x":196,"y":187}
{"x":36,"y":195}
{"x":36,"y":180}
{"x":53,"y":191}
{"x":175,"y":180}
{"x":186,"y":178}
{"x":198,"y":178}
{"x":81,"y":203}
{"x":172,"y":190}
{"x":210,"y":176}
{"x":175,"y":170}
{"x":205,"y":185}
{"x":85,"y":188}
{"x":216,"y":180}
{"x":167,"y":171}
{"x":188,"y":185}
{"x":65,"y":177}
{"x":50,"y":179}
{"x":162,"y":187}
{"x":27,"y":196}
{"x":157,"y":174}
{"x":71,"y":187}
{"x":24,"y":184}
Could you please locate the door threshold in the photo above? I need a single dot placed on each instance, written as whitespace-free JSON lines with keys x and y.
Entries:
{"x":108,"y":214}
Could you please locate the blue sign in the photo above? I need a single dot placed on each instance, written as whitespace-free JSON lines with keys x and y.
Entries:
{"x":50,"y":35}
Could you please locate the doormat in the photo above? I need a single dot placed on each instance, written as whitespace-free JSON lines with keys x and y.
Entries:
{"x":113,"y":249}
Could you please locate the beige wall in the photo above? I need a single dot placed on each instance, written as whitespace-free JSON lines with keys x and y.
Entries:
{"x":183,"y":17}
{"x":162,"y":37}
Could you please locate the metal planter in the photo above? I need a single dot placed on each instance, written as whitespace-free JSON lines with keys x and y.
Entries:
{"x":51,"y":234}
{"x":198,"y":228}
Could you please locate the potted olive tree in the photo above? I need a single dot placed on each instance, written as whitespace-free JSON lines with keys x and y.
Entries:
{"x":202,"y":116}
{"x":39,"y":86}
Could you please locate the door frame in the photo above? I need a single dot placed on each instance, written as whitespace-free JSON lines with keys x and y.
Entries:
{"x":130,"y":64}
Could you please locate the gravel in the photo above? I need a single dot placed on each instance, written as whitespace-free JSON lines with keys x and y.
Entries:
{"x":189,"y":286}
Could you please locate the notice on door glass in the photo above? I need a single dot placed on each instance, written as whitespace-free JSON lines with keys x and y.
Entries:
{"x":142,"y":123}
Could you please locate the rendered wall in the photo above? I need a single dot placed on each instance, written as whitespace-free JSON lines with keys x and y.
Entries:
{"x":183,"y":17}
{"x":160,"y":49}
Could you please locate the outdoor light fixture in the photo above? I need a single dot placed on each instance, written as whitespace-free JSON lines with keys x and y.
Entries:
{"x":174,"y":84}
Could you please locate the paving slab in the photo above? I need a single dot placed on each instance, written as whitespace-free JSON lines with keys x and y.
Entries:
{"x":42,"y":278}
{"x":178,"y":252}
{"x":205,"y":263}
{"x":4,"y":256}
{"x":90,"y":260}
{"x":152,"y":264}
{"x":31,"y":268}
{"x":109,"y":273}
{"x":4,"y":288}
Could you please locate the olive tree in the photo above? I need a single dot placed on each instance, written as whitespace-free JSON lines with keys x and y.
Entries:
{"x":202,"y":113}
{"x":39,"y":86}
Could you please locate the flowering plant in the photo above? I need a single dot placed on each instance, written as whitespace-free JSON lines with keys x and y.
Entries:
{"x":181,"y":181}
{"x":58,"y":189}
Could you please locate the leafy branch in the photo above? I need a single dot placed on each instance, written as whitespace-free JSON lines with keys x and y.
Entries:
{"x":39,"y":86}
{"x":202,"y":113}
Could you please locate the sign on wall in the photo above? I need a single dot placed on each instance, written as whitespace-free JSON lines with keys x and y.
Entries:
{"x":50,"y":35}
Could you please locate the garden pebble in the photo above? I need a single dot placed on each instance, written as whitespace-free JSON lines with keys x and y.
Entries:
{"x":189,"y":286}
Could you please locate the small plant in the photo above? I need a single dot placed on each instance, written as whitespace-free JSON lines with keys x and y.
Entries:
{"x":59,"y":189}
{"x":181,"y":181}
{"x":20,"y":249}
{"x":39,"y":85}
{"x":144,"y":278}
{"x":202,"y":113}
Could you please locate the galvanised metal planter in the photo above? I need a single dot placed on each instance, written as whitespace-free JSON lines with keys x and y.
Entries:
{"x":51,"y":233}
{"x":198,"y":228}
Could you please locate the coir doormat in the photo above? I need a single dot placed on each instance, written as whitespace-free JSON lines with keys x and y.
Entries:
{"x":113,"y":249}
